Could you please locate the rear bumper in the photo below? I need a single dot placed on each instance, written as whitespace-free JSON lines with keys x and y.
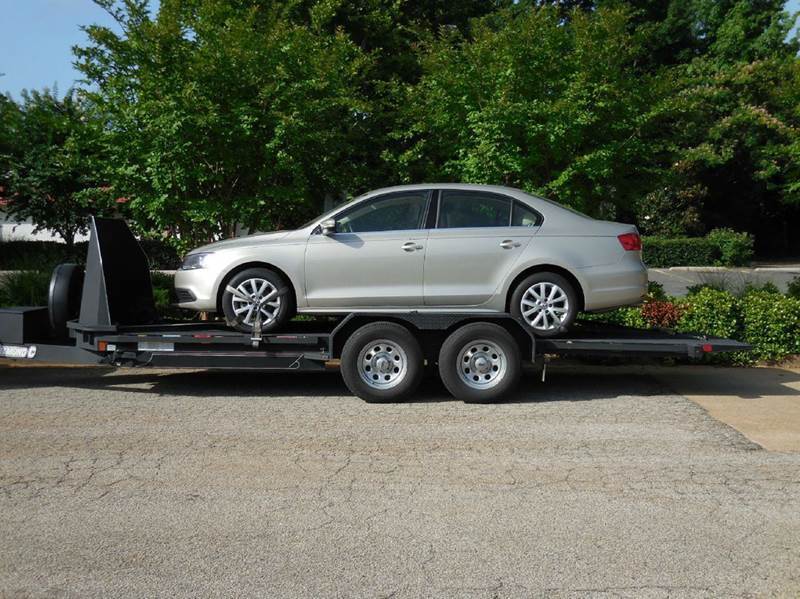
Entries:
{"x":615,"y":285}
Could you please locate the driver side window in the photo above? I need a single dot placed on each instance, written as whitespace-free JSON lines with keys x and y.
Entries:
{"x":396,"y":212}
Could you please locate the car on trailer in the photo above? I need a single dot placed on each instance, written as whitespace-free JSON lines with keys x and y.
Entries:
{"x":105,"y":315}
{"x":435,"y":248}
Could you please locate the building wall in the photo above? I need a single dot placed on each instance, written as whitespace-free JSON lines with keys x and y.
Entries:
{"x":12,"y":229}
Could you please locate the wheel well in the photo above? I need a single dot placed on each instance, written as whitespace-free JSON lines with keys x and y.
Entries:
{"x":242,"y":267}
{"x":546,"y":268}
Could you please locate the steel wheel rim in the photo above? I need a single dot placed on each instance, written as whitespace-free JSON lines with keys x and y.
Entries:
{"x":482,"y":364}
{"x":544,"y":306}
{"x":253,"y":295}
{"x":382,"y":364}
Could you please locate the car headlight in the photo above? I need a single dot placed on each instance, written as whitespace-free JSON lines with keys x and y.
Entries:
{"x":195,"y":261}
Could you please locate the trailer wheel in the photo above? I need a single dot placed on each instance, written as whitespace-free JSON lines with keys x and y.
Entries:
{"x":382,"y":362}
{"x":480,"y":363}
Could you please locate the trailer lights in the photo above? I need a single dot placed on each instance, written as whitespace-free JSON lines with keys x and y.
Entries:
{"x":708,"y":348}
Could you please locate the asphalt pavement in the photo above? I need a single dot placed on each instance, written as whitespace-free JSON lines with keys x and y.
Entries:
{"x":601,"y":481}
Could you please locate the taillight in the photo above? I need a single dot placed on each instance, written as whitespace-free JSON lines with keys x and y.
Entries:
{"x":631,"y":242}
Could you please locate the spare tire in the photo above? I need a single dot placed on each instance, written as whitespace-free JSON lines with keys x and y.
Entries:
{"x":64,"y":296}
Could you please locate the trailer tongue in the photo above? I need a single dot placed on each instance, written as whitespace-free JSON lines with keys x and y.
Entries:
{"x":108,"y":317}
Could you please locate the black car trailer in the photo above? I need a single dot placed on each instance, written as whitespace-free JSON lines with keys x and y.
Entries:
{"x":105,"y":315}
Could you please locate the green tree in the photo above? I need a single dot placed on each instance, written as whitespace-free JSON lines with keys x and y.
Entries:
{"x":726,"y":132}
{"x":50,"y":151}
{"x":534,"y":102}
{"x":225,"y":112}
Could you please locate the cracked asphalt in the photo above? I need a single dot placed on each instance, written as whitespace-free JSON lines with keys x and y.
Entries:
{"x":599,"y":482}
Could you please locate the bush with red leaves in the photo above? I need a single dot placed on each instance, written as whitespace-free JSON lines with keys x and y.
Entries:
{"x":662,"y":314}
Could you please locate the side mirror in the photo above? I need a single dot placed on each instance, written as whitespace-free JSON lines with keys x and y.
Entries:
{"x":328,"y":226}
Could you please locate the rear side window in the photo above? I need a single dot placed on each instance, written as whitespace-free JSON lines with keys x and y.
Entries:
{"x":524,"y":216}
{"x":466,"y":209}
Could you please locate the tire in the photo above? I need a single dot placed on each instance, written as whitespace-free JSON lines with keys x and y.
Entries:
{"x":480,"y":363}
{"x":258,"y":282}
{"x":398,"y":361}
{"x":552,"y":321}
{"x":64,"y":297}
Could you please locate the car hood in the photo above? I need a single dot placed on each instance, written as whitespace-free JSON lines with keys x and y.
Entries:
{"x":239,"y":242}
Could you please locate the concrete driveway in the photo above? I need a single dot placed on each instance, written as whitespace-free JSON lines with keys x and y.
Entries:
{"x":601,"y":481}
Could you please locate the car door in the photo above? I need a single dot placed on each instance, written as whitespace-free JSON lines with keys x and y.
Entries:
{"x":374,"y":259}
{"x":478,"y":238}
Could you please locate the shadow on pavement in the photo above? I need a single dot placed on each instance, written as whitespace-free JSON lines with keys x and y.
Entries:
{"x":570,"y":383}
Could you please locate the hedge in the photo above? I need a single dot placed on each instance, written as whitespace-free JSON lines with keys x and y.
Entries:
{"x":721,"y":247}
{"x":44,"y":255}
{"x":660,"y":252}
{"x":766,"y":319}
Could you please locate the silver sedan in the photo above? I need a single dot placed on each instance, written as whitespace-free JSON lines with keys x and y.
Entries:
{"x":426,"y":248}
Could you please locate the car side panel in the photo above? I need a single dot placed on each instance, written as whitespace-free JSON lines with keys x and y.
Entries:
{"x":608,"y":275}
{"x":362,"y":270}
{"x":464,"y":267}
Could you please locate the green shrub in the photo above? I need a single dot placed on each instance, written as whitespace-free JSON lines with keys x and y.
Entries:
{"x":626,"y":317}
{"x":164,"y":295}
{"x":38,"y":255}
{"x":655,"y":290}
{"x":24,"y":288}
{"x":793,"y":289}
{"x":735,"y":249}
{"x":161,"y":255}
{"x":44,"y":255}
{"x":710,"y":312}
{"x":771,"y":324}
{"x":721,"y":247}
{"x":661,"y":252}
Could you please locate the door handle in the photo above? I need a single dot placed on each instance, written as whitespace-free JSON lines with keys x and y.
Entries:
{"x":410,"y":246}
{"x":508,"y":244}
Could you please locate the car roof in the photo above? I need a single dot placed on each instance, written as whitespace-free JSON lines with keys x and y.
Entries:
{"x":458,"y":186}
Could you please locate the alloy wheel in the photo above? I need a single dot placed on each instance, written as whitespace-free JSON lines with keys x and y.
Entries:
{"x":544,"y":306}
{"x":254,"y":295}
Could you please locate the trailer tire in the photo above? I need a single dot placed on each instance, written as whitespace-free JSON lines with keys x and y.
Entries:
{"x":382,"y":362}
{"x":64,"y":297}
{"x":480,"y":363}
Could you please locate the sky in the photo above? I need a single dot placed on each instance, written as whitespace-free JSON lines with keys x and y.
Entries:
{"x":37,"y":37}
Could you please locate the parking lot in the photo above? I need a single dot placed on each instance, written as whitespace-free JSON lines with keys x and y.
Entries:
{"x":602,"y":480}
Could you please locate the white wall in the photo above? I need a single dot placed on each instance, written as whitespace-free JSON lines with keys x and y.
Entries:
{"x":12,"y":229}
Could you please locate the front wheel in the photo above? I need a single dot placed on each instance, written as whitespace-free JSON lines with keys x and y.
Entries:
{"x":546,"y":302}
{"x":257,"y":292}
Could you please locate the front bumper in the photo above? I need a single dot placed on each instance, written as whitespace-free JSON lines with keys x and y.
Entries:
{"x":199,"y":284}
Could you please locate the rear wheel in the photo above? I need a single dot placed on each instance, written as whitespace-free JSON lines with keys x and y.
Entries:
{"x":382,"y":362}
{"x":546,"y":302}
{"x":480,"y":363}
{"x":257,"y":291}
